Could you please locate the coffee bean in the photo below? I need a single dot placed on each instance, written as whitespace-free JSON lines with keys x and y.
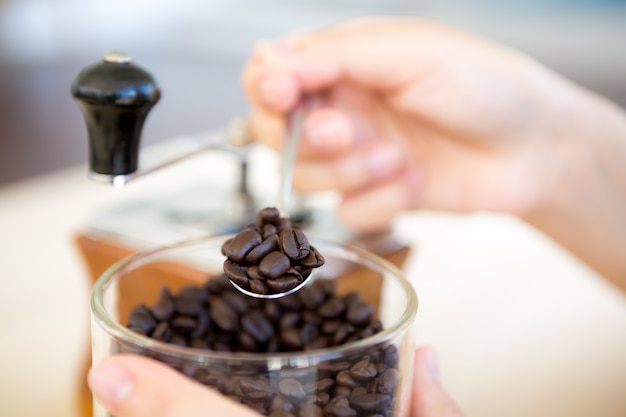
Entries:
{"x":371,"y":403}
{"x":291,"y":339}
{"x":280,"y":403}
{"x":388,"y":381}
{"x":332,"y":308}
{"x":345,"y":379}
{"x":357,"y":391}
{"x":223,"y":315}
{"x":258,"y":253}
{"x":291,"y":388}
{"x":242,"y":244}
{"x":161,"y":332}
{"x":193,"y":291}
{"x":163,"y":309}
{"x":339,"y":407}
{"x":310,"y":410}
{"x":267,"y":215}
{"x":311,"y":296}
{"x":258,"y":286}
{"x":141,"y":318}
{"x":236,"y":272}
{"x":289,"y":319}
{"x":237,"y":301}
{"x":257,"y":325}
{"x":188,"y":305}
{"x":363,"y":369}
{"x":359,"y":313}
{"x":314,"y":259}
{"x":269,"y":230}
{"x":183,"y":324}
{"x":283,"y":284}
{"x":274,"y":264}
{"x":294,"y":243}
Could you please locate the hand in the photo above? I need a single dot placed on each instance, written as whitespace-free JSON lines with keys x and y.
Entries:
{"x":134,"y":386}
{"x":413,"y":113}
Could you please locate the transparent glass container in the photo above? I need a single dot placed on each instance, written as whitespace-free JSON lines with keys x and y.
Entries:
{"x":363,"y":377}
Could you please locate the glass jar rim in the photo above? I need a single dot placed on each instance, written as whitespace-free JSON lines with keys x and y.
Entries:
{"x":116,"y":330}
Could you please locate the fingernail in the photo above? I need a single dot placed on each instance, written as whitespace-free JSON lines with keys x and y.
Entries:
{"x":110,"y":383}
{"x":270,"y":49}
{"x":277,"y":90}
{"x":431,"y":364}
{"x":328,"y":133}
{"x":383,"y":160}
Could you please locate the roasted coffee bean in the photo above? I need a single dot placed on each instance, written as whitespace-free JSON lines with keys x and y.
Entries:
{"x":163,"y":309}
{"x":371,"y":403}
{"x":237,"y":301}
{"x":188,"y":305}
{"x":178,"y":340}
{"x":339,"y":407}
{"x":342,"y":333}
{"x":283,"y":284}
{"x":314,"y":259}
{"x":272,"y":311}
{"x":199,"y":344}
{"x":258,"y":286}
{"x":193,"y":291}
{"x":236,"y":272}
{"x":330,"y":326}
{"x":341,"y":391}
{"x":290,"y":338}
{"x":242,"y":244}
{"x":294,"y":243}
{"x":358,"y":391}
{"x":363,"y":370}
{"x":274,"y":264}
{"x":284,"y":223}
{"x":320,"y":342}
{"x":332,"y":307}
{"x":388,"y":381}
{"x":311,"y":318}
{"x":280,"y":403}
{"x":258,"y":253}
{"x":267,"y":215}
{"x":269,"y":230}
{"x":291,"y":318}
{"x":247,"y":342}
{"x":162,"y":332}
{"x":257,"y":325}
{"x":248,"y":385}
{"x":183,"y":324}
{"x":253,"y":272}
{"x":141,"y":318}
{"x":359,"y":312}
{"x":323,"y":398}
{"x":311,"y":297}
{"x":291,"y":388}
{"x":310,"y":410}
{"x":223,"y":315}
{"x":345,"y":379}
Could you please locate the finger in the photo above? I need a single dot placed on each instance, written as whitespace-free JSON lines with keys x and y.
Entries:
{"x":373,"y":208}
{"x":429,"y":398}
{"x":134,"y":386}
{"x":370,"y":164}
{"x":327,"y":132}
{"x":269,"y":78}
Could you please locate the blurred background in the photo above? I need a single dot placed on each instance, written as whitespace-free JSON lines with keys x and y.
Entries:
{"x":195,"y":49}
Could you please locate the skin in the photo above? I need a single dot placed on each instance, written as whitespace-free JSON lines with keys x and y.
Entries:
{"x":435,"y":119}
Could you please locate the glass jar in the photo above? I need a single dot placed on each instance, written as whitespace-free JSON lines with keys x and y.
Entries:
{"x":368,"y":371}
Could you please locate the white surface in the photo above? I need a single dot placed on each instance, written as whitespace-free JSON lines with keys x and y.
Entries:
{"x":521,"y":328}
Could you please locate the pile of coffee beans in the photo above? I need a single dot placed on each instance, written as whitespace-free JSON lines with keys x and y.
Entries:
{"x":270,"y":256}
{"x":218,"y":317}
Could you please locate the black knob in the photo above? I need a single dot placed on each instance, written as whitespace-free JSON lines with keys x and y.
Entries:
{"x":115,"y":97}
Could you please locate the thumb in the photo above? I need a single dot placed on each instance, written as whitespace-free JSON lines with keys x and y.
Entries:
{"x":429,"y":398}
{"x":134,"y":386}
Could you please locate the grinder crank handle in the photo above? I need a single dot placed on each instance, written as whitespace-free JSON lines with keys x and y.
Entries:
{"x":115,"y":97}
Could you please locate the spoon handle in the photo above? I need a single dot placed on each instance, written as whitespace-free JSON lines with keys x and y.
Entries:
{"x":289,"y":151}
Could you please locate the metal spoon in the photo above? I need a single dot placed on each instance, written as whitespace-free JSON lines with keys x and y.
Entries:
{"x":289,"y":151}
